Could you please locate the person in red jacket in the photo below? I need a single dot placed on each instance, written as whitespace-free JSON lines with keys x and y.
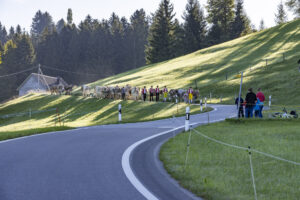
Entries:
{"x":144,"y":93}
{"x":261,"y":98}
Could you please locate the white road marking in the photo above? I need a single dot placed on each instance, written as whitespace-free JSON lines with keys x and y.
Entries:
{"x":126,"y":161}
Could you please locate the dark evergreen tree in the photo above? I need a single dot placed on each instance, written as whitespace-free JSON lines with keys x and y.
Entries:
{"x":194,"y":26}
{"x":160,"y":39}
{"x":139,"y":34}
{"x":18,"y":29}
{"x":281,"y":16}
{"x":262,"y":25}
{"x":179,"y":45}
{"x":3,"y":35}
{"x":60,"y":25}
{"x":39,"y":22}
{"x":11,"y":34}
{"x":70,"y":16}
{"x":294,"y":6}
{"x":241,"y":24}
{"x":221,"y":16}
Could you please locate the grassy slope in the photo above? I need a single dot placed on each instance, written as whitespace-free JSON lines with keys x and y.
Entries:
{"x":216,"y":171}
{"x":208,"y":67}
{"x":78,"y":111}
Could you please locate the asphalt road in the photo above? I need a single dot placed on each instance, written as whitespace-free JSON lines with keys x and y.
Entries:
{"x":85,"y":164}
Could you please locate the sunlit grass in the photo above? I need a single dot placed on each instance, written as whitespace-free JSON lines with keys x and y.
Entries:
{"x":208,"y":68}
{"x":76,"y":111}
{"x":215,"y":171}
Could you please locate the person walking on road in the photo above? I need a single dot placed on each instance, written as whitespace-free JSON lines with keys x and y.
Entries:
{"x":123,"y":93}
{"x":151,"y":91}
{"x":144,"y":93}
{"x":250,"y":103}
{"x":261,"y":98}
{"x":165,"y":91}
{"x":241,"y":108}
{"x":190,"y":93}
{"x":157,"y":93}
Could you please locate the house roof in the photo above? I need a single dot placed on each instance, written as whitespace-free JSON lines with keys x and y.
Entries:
{"x":45,"y":80}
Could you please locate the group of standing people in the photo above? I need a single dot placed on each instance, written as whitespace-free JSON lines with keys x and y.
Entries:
{"x":254,"y":103}
{"x":155,"y":92}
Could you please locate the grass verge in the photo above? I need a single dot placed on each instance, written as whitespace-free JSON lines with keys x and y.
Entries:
{"x":75,"y":111}
{"x":215,"y":171}
{"x":16,"y":134}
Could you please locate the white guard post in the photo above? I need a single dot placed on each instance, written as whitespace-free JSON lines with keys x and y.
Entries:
{"x":201,"y":105}
{"x":187,"y":119}
{"x":270,"y":100}
{"x":120,"y":112}
{"x":205,"y":104}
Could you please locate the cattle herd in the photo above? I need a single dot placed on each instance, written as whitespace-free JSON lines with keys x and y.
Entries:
{"x":132,"y":93}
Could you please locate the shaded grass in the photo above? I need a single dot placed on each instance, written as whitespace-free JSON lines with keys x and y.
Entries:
{"x":16,"y":134}
{"x":75,"y":111}
{"x":216,"y":171}
{"x":207,"y":69}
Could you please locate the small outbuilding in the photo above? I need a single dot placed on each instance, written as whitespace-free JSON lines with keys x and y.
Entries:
{"x":40,"y":83}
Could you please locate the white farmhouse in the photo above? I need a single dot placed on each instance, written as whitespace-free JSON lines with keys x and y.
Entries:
{"x":39,"y":83}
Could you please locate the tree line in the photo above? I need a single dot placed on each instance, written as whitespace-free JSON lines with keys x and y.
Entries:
{"x":96,"y":49}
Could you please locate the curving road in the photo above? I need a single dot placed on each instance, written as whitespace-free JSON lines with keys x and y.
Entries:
{"x":90,"y":163}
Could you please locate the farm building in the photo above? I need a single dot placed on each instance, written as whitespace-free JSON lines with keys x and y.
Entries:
{"x":39,"y":83}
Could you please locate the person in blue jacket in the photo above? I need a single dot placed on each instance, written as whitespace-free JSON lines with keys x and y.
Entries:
{"x":257,"y":108}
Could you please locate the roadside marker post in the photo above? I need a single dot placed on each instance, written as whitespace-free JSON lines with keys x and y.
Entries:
{"x":187,"y":119}
{"x":240,"y":93}
{"x":120,"y":112}
{"x":201,"y":105}
{"x":205,"y":104}
{"x":270,"y":100}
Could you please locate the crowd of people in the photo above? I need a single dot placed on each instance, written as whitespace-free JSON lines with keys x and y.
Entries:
{"x":253,"y":103}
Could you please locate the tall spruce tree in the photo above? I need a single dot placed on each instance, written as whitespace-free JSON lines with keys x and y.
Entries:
{"x":160,"y":39}
{"x":139,"y":34}
{"x":241,"y":24}
{"x":280,"y":16}
{"x":70,"y":16}
{"x":262,"y":25}
{"x":194,"y":26}
{"x":60,"y":25}
{"x":221,"y":16}
{"x":294,"y":6}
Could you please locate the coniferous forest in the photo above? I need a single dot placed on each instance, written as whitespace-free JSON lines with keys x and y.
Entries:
{"x":98,"y":48}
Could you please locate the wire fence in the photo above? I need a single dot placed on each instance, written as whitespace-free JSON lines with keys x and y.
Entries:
{"x":263,"y":168}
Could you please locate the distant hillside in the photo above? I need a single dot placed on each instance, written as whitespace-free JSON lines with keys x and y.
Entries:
{"x":208,"y":68}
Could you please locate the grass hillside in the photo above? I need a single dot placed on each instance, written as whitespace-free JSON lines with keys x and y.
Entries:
{"x":209,"y":67}
{"x":76,"y":111}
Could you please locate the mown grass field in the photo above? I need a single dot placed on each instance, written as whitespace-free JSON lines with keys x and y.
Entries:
{"x":207,"y":69}
{"x":215,"y":171}
{"x":76,"y":111}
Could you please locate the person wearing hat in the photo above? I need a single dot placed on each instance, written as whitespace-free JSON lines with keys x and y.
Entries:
{"x":190,"y":93}
{"x":151,"y":91}
{"x":157,"y":93}
{"x":165,"y":91}
{"x":144,"y":93}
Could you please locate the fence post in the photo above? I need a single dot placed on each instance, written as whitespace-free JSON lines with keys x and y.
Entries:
{"x":252,"y":173}
{"x":205,"y":103}
{"x":210,"y":97}
{"x":270,"y":100}
{"x":120,"y":112}
{"x":187,"y":119}
{"x":207,"y":117}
